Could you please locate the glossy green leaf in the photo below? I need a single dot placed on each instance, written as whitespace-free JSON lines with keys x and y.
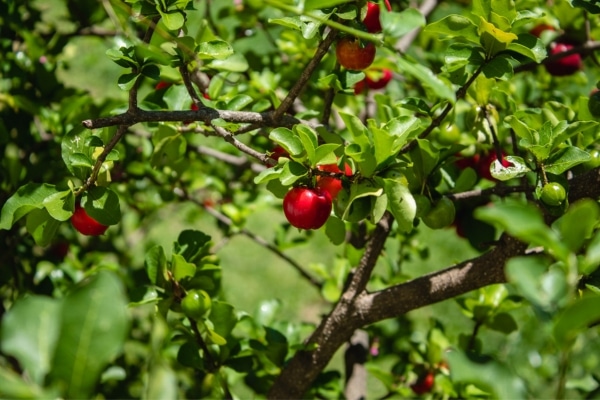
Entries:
{"x":173,"y":20}
{"x":488,"y":375}
{"x":60,"y":205}
{"x":576,"y":319}
{"x":181,"y":268}
{"x":126,"y":81}
{"x":398,"y":24}
{"x":102,"y":204}
{"x":577,"y":225}
{"x":192,"y":244}
{"x":29,"y":333}
{"x":335,"y":229}
{"x":235,"y":63}
{"x":217,"y":49}
{"x":537,"y":281}
{"x":317,"y":4}
{"x":41,"y":226}
{"x":288,"y":140}
{"x":529,"y":46}
{"x":564,"y":159}
{"x":454,"y":26}
{"x":27,"y":198}
{"x":292,"y":171}
{"x":525,"y":222}
{"x":517,"y":169}
{"x":357,"y":129}
{"x":224,"y":318}
{"x":309,"y":140}
{"x":424,"y":75}
{"x":401,"y":204}
{"x":14,"y":386}
{"x":156,"y":265}
{"x":93,"y":327}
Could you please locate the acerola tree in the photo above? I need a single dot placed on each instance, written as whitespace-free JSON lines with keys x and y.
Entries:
{"x":457,"y":258}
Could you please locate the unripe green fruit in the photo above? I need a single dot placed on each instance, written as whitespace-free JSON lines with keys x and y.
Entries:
{"x":594,"y":161}
{"x":196,"y":304}
{"x":441,"y":215}
{"x":423,"y":205}
{"x":553,"y":194}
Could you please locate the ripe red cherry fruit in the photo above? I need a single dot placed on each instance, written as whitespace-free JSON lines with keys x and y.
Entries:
{"x":307,"y":208}
{"x":424,"y":383}
{"x":85,"y":224}
{"x":382,"y":82}
{"x":538,"y":29}
{"x":371,"y":21}
{"x":564,"y":66}
{"x":329,"y":183}
{"x":352,"y":55}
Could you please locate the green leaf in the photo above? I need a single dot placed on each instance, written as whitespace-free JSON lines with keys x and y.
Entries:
{"x":181,"y":268}
{"x":517,"y":169}
{"x":335,"y":229}
{"x":292,"y":171}
{"x":192,"y":245}
{"x":288,"y":140}
{"x":578,"y":223}
{"x":502,"y":322}
{"x":13,"y":386}
{"x":487,"y":375}
{"x":126,"y":81}
{"x":565,"y":159}
{"x":30,"y":332}
{"x":161,"y":382}
{"x":102,"y":204}
{"x":454,"y":26}
{"x":169,"y":151}
{"x":398,"y":24}
{"x":27,"y":198}
{"x":401,"y":204}
{"x":309,"y":140}
{"x":525,"y":222}
{"x":235,"y":63}
{"x":173,"y":20}
{"x":357,"y":191}
{"x":93,"y":327}
{"x":73,"y":146}
{"x":41,"y":226}
{"x":215,"y":49}
{"x":357,"y":129}
{"x":60,"y":205}
{"x":493,"y":38}
{"x":537,"y":281}
{"x":156,"y":265}
{"x":427,"y":78}
{"x":224,"y":318}
{"x":576,"y":318}
{"x":317,"y":4}
{"x":529,"y":46}
{"x":591,"y":6}
{"x":239,"y":102}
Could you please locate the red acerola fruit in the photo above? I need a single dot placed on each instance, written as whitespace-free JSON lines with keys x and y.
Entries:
{"x":351,"y":55}
{"x":162,"y":85}
{"x":307,"y":208}
{"x":371,"y":21}
{"x":564,"y":66}
{"x":466,"y":162}
{"x":424,"y":383}
{"x":329,"y":183}
{"x":85,"y":224}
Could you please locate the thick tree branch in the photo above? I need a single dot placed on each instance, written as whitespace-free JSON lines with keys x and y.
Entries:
{"x":462,"y":278}
{"x":205,"y":115}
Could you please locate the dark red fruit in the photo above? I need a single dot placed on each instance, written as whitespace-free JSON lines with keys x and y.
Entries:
{"x":564,"y":66}
{"x":371,"y":21}
{"x":329,"y":183}
{"x":352,"y":55}
{"x":382,"y":82}
{"x":162,"y":85}
{"x":467,"y":162}
{"x":307,"y":208}
{"x":424,"y":384}
{"x":85,"y":224}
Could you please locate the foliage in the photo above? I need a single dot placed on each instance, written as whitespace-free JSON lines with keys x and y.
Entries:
{"x":210,"y":112}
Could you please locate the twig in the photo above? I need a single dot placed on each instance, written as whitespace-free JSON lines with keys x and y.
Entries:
{"x":305,"y":75}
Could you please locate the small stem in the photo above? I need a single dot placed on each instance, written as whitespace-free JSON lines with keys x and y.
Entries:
{"x":213,"y":366}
